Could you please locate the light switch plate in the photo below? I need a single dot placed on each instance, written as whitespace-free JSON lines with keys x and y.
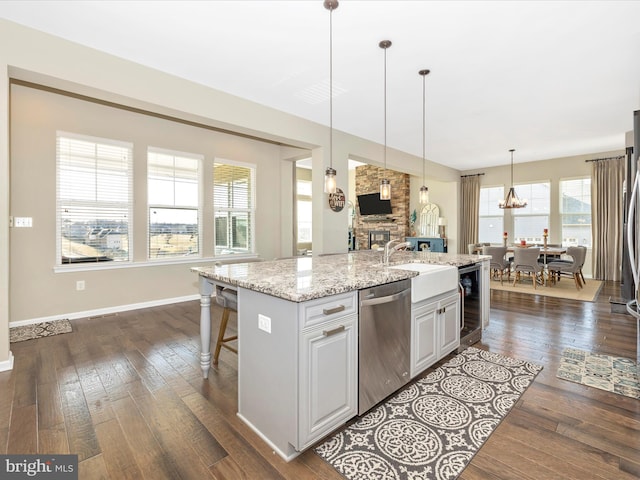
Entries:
{"x":25,"y":222}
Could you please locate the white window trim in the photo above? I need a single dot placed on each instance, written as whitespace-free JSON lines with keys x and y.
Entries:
{"x":58,"y":265}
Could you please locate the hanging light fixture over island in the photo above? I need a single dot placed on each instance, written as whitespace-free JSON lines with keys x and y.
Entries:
{"x":385,"y":185}
{"x":330,"y":172}
{"x":424,"y":190}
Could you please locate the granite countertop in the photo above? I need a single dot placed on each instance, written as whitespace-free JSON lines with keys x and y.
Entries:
{"x":305,"y":278}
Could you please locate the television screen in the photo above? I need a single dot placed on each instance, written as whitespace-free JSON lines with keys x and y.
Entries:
{"x":370,"y":204}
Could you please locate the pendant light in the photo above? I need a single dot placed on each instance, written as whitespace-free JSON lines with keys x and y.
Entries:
{"x":424,"y":191}
{"x":330,"y":173}
{"x":512,"y":200}
{"x":385,"y":186}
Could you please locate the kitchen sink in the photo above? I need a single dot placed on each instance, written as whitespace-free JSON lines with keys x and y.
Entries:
{"x":432,"y":279}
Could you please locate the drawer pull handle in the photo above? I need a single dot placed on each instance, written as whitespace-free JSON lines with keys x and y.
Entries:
{"x":333,"y":331}
{"x":329,"y":311}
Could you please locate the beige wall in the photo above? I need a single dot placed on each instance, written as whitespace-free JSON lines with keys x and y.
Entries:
{"x":36,"y":116}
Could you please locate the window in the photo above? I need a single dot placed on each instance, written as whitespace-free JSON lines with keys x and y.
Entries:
{"x":575,"y":211}
{"x":173,"y":198}
{"x":529,"y":222}
{"x":234,"y":208}
{"x":94,"y":199}
{"x":304,"y":214}
{"x":491,"y":217}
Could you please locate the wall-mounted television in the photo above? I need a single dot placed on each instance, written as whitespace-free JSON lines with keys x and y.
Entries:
{"x":370,"y":204}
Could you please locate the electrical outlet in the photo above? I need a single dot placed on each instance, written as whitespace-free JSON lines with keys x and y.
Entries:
{"x":264,"y":323}
{"x":80,"y":285}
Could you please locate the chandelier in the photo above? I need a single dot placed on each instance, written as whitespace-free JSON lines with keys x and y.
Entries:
{"x":512,"y":200}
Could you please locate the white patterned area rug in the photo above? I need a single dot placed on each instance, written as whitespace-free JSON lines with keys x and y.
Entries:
{"x":433,"y":428}
{"x":37,"y":330}
{"x":613,"y":374}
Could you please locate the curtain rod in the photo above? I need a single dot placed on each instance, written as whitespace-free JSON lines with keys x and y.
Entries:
{"x":606,"y":158}
{"x":472,"y":175}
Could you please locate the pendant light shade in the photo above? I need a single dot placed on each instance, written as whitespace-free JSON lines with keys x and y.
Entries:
{"x":424,"y":190}
{"x":385,"y":185}
{"x":424,"y":195}
{"x":330,"y":173}
{"x":512,"y":200}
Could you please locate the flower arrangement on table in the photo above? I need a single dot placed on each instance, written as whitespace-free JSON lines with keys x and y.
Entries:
{"x":545,"y":234}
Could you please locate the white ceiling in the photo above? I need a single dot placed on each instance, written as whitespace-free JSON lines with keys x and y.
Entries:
{"x":548,"y":78}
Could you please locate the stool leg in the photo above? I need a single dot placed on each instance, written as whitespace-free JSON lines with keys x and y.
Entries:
{"x":223,"y":327}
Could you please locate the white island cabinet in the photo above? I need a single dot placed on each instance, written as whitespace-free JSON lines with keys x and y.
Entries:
{"x":298,"y":331}
{"x":435,"y":330}
{"x":297,"y":372}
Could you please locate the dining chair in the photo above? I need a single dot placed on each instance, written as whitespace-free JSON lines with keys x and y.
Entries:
{"x":472,"y":248}
{"x":525,"y":260}
{"x":572,"y":268}
{"x":498,"y":263}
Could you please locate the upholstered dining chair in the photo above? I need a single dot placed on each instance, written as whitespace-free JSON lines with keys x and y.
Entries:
{"x":498,"y":263}
{"x":473,"y":247}
{"x":572,"y":268}
{"x":525,"y":260}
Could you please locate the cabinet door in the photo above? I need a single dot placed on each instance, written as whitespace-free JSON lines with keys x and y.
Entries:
{"x":449,"y":322}
{"x":328,"y":378}
{"x":423,"y":337}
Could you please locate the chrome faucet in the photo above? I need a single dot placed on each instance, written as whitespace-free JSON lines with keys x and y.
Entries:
{"x":389,"y":249}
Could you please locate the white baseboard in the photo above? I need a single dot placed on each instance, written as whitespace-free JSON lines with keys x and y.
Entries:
{"x":104,"y":311}
{"x":7,"y":364}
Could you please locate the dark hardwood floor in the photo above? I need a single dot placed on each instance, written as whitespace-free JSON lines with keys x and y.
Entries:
{"x":125,"y":393}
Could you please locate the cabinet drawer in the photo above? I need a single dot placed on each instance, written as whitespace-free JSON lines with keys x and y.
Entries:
{"x":325,"y":309}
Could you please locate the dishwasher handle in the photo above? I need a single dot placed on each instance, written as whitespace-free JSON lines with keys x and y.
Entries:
{"x":387,"y":299}
{"x":461,"y":305}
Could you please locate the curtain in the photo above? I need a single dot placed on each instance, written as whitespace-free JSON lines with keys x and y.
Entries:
{"x":470,"y":203}
{"x":607,"y":177}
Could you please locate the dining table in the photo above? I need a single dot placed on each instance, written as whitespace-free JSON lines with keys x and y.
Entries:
{"x":554,"y":252}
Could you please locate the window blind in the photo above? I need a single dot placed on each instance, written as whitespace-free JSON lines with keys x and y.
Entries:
{"x":94,"y":199}
{"x":234,"y":208}
{"x":174,"y":207}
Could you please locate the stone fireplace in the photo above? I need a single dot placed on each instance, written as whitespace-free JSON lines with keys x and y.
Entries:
{"x":367,"y":180}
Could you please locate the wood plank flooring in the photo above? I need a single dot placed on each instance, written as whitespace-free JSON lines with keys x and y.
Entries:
{"x":125,"y":393}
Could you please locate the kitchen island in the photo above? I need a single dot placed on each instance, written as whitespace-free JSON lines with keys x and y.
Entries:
{"x":298,"y":337}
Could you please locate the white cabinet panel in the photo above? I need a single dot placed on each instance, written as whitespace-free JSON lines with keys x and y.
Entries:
{"x":328,"y":378}
{"x":435,"y":330}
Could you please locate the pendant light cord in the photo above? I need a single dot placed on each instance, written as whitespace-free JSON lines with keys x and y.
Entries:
{"x":512,"y":150}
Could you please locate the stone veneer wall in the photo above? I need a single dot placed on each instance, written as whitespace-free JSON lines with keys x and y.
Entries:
{"x":368,"y":181}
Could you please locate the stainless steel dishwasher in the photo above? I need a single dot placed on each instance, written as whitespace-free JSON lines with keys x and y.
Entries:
{"x":384,"y":342}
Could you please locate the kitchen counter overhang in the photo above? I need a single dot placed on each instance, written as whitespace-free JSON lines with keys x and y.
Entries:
{"x":306,"y":278}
